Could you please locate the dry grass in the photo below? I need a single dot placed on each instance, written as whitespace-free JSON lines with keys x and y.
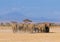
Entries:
{"x":9,"y":36}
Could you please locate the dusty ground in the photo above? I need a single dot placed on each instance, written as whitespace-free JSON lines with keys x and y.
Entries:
{"x":9,"y":36}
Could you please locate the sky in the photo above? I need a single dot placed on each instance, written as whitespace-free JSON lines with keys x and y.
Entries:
{"x":35,"y":10}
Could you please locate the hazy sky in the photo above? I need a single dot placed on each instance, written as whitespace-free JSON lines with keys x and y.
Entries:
{"x":36,"y":10}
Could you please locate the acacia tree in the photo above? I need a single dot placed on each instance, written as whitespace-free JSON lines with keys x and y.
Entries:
{"x":27,"y":20}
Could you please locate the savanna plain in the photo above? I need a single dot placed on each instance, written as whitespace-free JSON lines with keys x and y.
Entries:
{"x":6,"y":35}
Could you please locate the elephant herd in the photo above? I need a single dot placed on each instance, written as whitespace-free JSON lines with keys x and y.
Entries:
{"x":31,"y":27}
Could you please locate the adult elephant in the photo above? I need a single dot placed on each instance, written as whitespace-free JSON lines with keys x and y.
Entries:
{"x":20,"y":26}
{"x":14,"y":28}
{"x":44,"y":27}
{"x":47,"y":25}
{"x":41,"y":27}
{"x":31,"y":27}
{"x":17,"y":27}
{"x":36,"y":28}
{"x":25,"y":27}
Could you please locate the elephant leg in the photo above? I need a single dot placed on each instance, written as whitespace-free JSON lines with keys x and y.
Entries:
{"x":25,"y":30}
{"x":36,"y":30}
{"x":41,"y":30}
{"x":14,"y":30}
{"x":31,"y":31}
{"x":47,"y":29}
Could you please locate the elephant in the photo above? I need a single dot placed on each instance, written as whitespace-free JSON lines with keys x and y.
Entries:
{"x":36,"y":29}
{"x":25,"y":27}
{"x":47,"y":25}
{"x":31,"y":27}
{"x":17,"y":27}
{"x":39,"y":27}
{"x":20,"y":26}
{"x":14,"y":27}
{"x":28,"y":27}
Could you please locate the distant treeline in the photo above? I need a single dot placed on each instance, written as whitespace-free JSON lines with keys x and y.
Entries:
{"x":9,"y":24}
